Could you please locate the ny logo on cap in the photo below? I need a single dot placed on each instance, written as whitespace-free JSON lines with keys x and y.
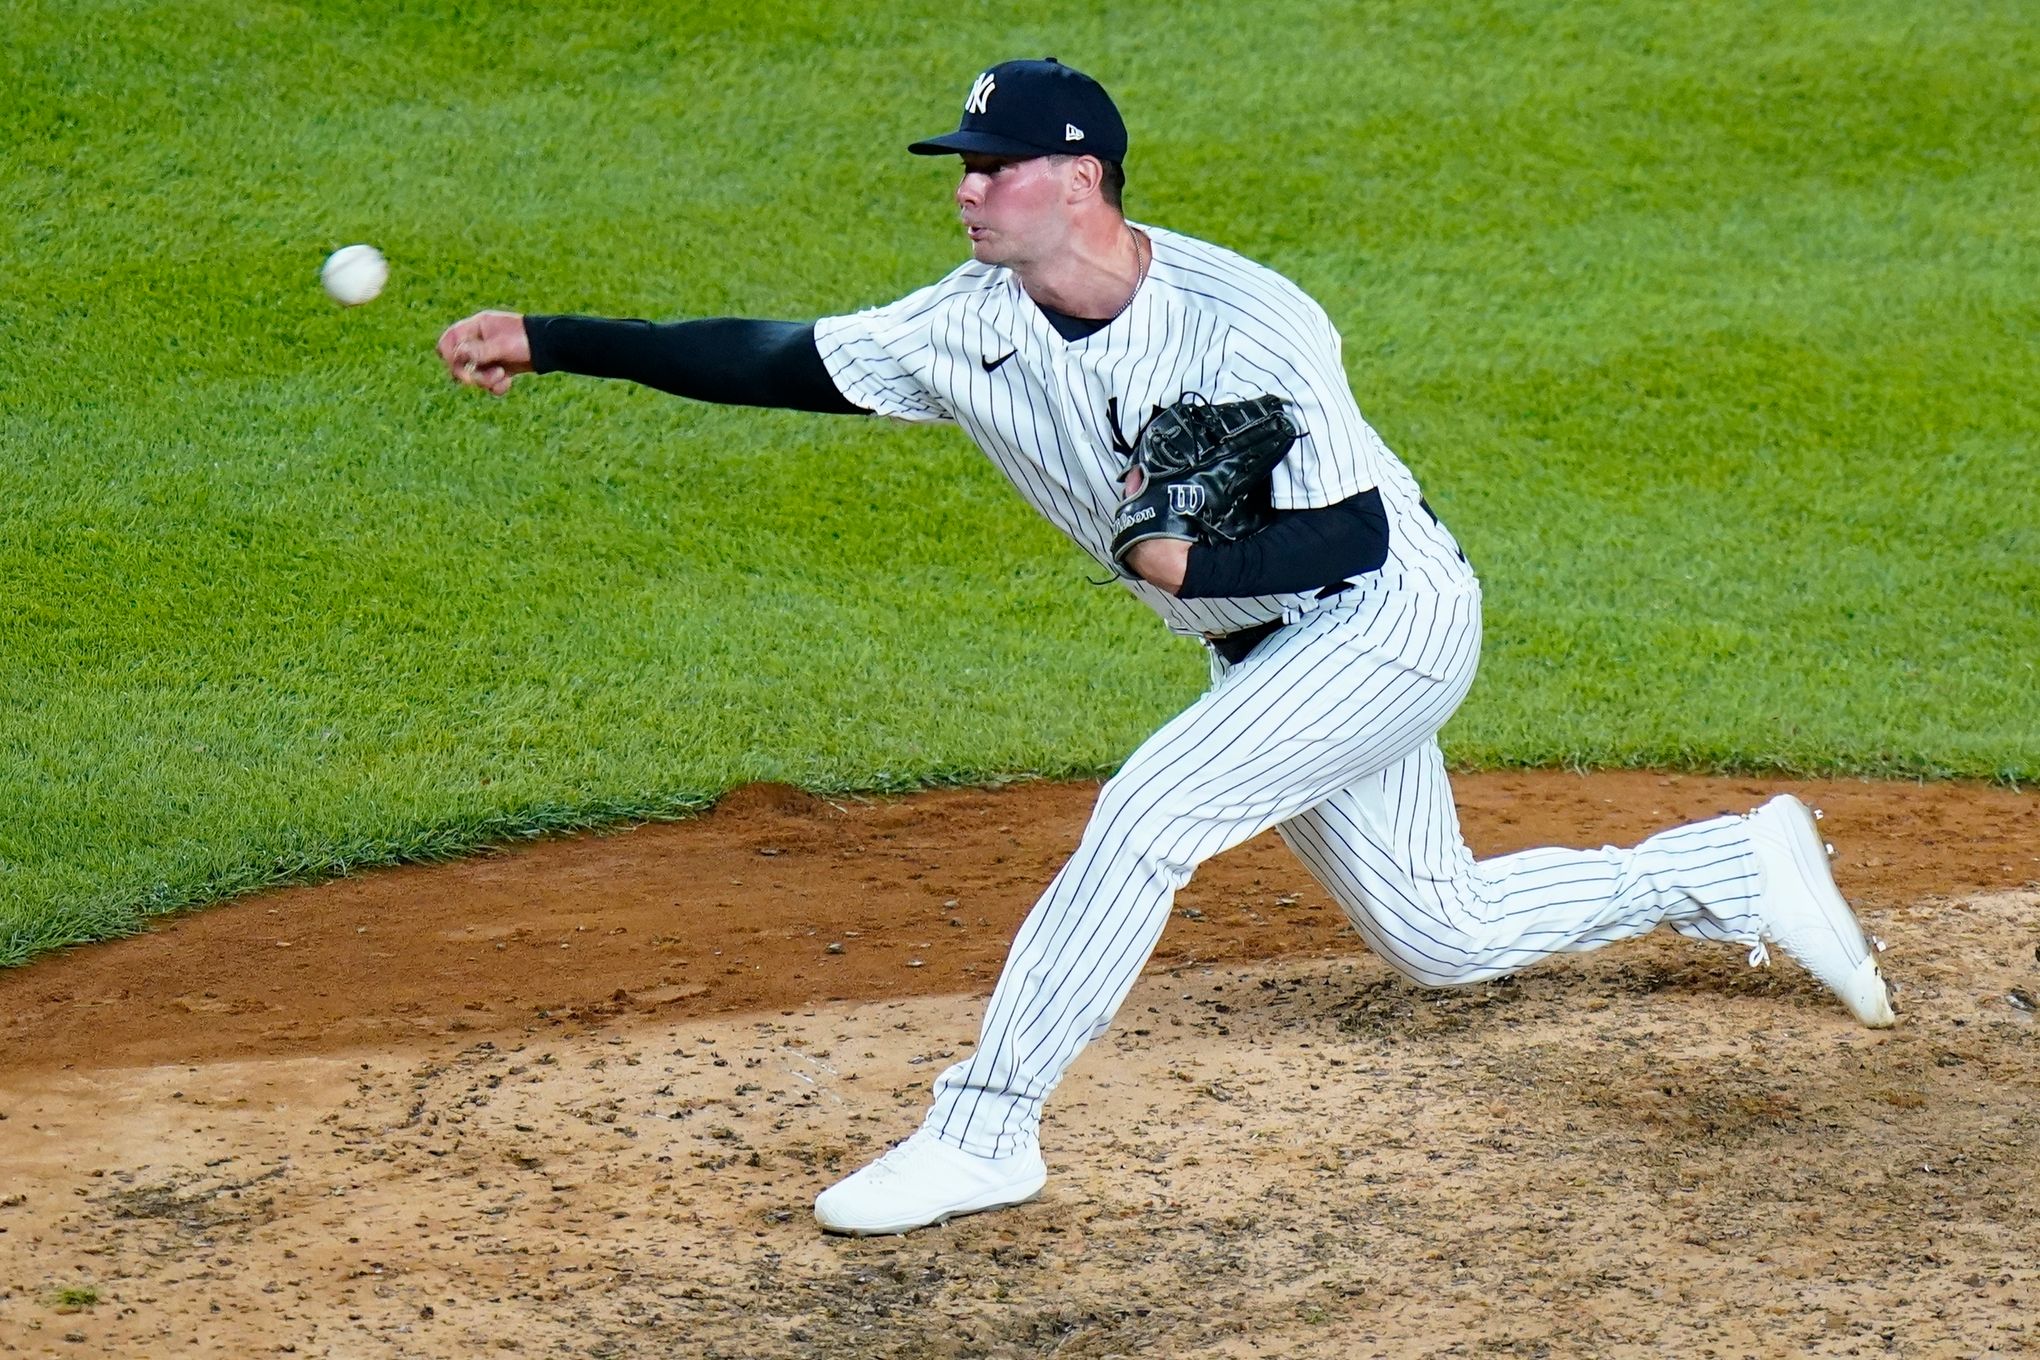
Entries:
{"x":980,"y":94}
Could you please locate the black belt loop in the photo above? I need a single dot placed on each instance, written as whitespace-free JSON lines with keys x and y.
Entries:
{"x":1234,"y":647}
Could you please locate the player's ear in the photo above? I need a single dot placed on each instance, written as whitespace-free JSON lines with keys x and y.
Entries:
{"x":1086,"y":173}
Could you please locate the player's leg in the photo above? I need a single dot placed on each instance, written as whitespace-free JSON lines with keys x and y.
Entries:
{"x":1390,"y":851}
{"x":1320,"y":705}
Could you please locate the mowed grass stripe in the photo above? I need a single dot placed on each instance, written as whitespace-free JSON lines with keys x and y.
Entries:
{"x":1708,"y":331}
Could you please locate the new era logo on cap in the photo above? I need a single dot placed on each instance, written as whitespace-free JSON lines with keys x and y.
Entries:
{"x":1072,"y":133}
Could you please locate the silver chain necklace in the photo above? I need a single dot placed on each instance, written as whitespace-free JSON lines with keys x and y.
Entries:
{"x":1140,"y":259}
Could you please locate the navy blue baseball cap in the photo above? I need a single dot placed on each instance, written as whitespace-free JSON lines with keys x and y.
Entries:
{"x":1034,"y":108}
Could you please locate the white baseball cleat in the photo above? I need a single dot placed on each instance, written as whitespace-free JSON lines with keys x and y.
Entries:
{"x":923,"y":1182}
{"x":1804,"y":914}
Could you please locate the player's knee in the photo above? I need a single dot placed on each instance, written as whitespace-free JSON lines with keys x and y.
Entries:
{"x":1130,"y":823}
{"x":1446,"y":967}
{"x":1125,"y":805}
{"x":1428,"y":950}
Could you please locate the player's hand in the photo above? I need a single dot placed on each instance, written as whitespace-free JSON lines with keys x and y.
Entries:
{"x":1160,"y":562}
{"x":488,"y":350}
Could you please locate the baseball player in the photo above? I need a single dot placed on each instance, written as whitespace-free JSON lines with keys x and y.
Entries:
{"x":1183,"y":414}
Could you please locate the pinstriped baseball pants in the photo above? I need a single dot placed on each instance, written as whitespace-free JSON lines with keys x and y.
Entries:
{"x":1327,"y":731}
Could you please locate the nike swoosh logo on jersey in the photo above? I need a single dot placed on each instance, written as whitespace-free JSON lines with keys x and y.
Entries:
{"x":992,"y":365}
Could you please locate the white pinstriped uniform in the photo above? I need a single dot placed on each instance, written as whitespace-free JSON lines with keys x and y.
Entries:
{"x":1327,"y":731}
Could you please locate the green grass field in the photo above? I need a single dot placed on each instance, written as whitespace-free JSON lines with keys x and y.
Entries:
{"x":1710,"y":330}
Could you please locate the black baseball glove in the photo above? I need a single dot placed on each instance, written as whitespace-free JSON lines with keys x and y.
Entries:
{"x":1201,"y":472}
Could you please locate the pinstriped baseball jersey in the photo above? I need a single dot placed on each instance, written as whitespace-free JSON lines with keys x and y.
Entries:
{"x":1058,"y":416}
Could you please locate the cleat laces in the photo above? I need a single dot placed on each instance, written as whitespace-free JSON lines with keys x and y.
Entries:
{"x":890,"y":1166}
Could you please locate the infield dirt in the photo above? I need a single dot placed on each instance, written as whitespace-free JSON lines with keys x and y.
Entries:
{"x":575,"y":1100}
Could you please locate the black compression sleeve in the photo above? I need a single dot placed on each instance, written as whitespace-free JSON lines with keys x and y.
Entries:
{"x":728,"y":360}
{"x":1301,"y":550}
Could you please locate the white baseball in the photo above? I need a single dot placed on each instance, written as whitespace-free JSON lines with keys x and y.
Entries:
{"x":354,"y":274}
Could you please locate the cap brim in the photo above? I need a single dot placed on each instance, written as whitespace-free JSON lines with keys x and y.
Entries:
{"x":962,"y":142}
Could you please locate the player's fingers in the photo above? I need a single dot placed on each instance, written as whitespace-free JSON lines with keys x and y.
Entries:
{"x":470,"y":363}
{"x":451,"y":339}
{"x":454,"y":355}
{"x":467,"y":346}
{"x":478,"y":354}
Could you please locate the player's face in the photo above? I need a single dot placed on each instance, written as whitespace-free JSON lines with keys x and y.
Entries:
{"x":1015,"y":211}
